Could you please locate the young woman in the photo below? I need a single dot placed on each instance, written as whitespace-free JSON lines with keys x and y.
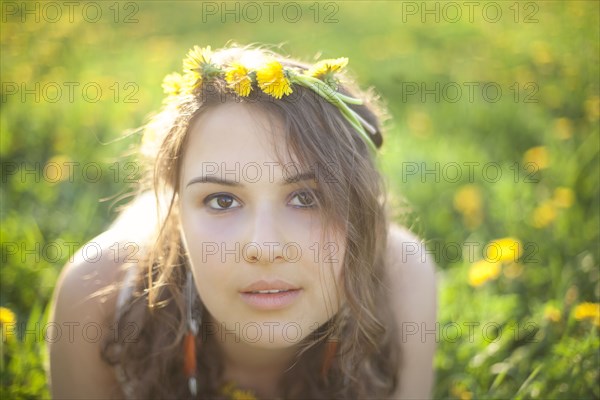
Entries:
{"x":262,"y":264}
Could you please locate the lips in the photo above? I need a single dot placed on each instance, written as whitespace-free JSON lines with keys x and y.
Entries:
{"x":265,"y":287}
{"x":270,"y":295}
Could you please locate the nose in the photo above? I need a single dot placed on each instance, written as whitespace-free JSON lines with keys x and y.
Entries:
{"x":264,"y":245}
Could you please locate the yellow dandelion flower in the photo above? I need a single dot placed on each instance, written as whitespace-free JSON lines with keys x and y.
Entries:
{"x":544,"y":214}
{"x":504,"y":250}
{"x":237,"y":78}
{"x":7,"y":316}
{"x":272,"y":80}
{"x":196,"y":58}
{"x":592,"y":108}
{"x":459,"y":391}
{"x":239,"y":394}
{"x":53,"y":170}
{"x":563,"y":197}
{"x":234,"y":393}
{"x":541,"y":53}
{"x":563,"y":128}
{"x":538,"y":156}
{"x":196,"y":66}
{"x":327,"y":67}
{"x":588,"y":311}
{"x":419,"y":123}
{"x":483,"y":271}
{"x":190,"y":81}
{"x":551,"y":313}
{"x":468,"y":201}
{"x":466,"y":395}
{"x":172,"y":84}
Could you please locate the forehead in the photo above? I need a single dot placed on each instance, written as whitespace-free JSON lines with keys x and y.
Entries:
{"x":235,"y":133}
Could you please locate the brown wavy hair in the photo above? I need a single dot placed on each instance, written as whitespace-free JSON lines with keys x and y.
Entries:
{"x":367,"y":360}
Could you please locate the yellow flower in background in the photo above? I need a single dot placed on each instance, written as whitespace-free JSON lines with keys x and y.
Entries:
{"x":592,"y":108}
{"x":564,"y":197}
{"x":56,"y":169}
{"x":172,"y":84}
{"x":459,"y":391}
{"x":588,"y":311}
{"x":551,"y":313}
{"x":483,"y":271}
{"x":563,"y":128}
{"x":541,"y":52}
{"x":7,"y":316}
{"x":538,"y":156}
{"x":419,"y":123}
{"x":467,"y":200}
{"x":237,"y":79}
{"x":544,"y":214}
{"x":272,"y":80}
{"x":325,"y":69}
{"x":504,"y":250}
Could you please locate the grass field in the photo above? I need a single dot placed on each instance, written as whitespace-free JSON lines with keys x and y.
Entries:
{"x":491,"y":155}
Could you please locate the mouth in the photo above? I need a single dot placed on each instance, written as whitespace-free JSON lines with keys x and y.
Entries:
{"x":270,"y":291}
{"x":271,"y":286}
{"x":270,"y":295}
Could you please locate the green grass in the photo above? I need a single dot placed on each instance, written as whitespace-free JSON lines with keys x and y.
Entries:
{"x":532,"y":345}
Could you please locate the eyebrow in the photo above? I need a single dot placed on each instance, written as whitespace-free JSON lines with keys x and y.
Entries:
{"x":304,"y":176}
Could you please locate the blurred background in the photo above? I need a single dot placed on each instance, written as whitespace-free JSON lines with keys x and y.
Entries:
{"x":491,"y":156}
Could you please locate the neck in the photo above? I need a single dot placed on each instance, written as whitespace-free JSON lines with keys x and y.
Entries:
{"x":251,"y":367}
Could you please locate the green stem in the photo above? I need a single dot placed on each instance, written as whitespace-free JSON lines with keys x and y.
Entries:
{"x":350,"y":100}
{"x":328,"y":94}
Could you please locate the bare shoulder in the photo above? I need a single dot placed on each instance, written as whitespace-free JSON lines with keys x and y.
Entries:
{"x":407,"y":258}
{"x":81,"y":318}
{"x":85,"y":300}
{"x":413,"y":292}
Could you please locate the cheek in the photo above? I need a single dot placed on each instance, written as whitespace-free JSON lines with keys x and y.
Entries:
{"x":203,"y":240}
{"x":327,"y":279}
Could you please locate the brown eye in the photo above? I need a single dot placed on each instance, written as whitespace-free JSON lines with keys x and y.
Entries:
{"x":305,"y":199}
{"x":220,"y":201}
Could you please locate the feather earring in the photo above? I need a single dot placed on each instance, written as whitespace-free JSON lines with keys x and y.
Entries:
{"x":331,"y":347}
{"x":189,"y":341}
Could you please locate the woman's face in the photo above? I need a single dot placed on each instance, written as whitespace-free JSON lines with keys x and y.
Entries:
{"x":254,"y":238}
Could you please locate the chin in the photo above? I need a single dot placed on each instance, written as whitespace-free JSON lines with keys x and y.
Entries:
{"x":275,"y":344}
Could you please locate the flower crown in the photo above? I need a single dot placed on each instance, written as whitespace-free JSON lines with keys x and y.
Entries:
{"x":272,"y":78}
